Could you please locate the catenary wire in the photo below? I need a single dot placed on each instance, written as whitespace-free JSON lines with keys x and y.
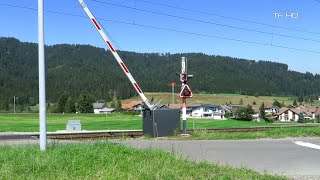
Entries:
{"x":229,"y":17}
{"x":166,"y":29}
{"x":205,"y":22}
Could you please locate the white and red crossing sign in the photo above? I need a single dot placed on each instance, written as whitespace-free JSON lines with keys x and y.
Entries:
{"x":185,"y":92}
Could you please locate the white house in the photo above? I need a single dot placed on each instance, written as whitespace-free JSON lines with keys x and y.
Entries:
{"x":211,"y":111}
{"x":138,"y":107}
{"x":256,"y":115}
{"x":270,"y":109}
{"x":286,"y":115}
{"x":101,"y":108}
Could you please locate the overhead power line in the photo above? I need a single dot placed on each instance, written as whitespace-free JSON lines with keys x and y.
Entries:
{"x":166,"y":29}
{"x":229,"y":17}
{"x":207,"y":22}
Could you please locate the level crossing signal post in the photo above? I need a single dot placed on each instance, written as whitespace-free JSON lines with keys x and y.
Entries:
{"x":185,"y":92}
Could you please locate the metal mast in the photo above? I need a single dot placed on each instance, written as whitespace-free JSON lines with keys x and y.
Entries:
{"x":42,"y":79}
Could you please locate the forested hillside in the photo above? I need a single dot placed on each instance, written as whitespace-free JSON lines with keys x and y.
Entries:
{"x":72,"y":69}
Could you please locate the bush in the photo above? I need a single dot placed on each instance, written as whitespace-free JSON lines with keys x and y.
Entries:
{"x":53,"y":108}
{"x":269,"y":119}
{"x":228,"y":115}
{"x":310,"y":121}
{"x":317,"y":118}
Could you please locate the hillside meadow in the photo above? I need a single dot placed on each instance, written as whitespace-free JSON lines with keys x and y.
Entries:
{"x":217,"y":99}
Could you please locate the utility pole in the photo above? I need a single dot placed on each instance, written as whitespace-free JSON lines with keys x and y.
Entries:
{"x":42,"y":79}
{"x":14,"y":104}
{"x":173,"y":84}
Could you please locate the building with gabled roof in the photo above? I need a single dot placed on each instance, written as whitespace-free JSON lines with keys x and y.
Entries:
{"x":208,"y":110}
{"x":101,"y":108}
{"x":292,"y":114}
{"x":133,"y":105}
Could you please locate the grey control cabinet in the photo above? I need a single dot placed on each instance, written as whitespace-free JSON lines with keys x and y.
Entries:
{"x":161,"y":122}
{"x":73,"y":125}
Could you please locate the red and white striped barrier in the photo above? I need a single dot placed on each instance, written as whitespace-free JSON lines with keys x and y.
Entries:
{"x":115,"y":54}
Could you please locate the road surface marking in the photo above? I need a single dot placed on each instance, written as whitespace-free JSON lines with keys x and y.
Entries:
{"x":306,"y":144}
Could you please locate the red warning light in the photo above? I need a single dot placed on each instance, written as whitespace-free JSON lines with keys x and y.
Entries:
{"x":185,"y":92}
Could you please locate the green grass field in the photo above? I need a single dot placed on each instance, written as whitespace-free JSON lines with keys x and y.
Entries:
{"x":116,"y":121}
{"x":109,"y":161}
{"x":30,"y":122}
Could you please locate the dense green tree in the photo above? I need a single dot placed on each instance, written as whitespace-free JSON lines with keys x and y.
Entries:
{"x":244,"y":113}
{"x":241,"y":102}
{"x":20,"y":107}
{"x":85,"y":103}
{"x":4,"y":104}
{"x":119,"y":105}
{"x":62,"y":103}
{"x":70,"y":106}
{"x":254,"y":103}
{"x":113,"y":104}
{"x":311,"y":100}
{"x":277,"y":103}
{"x":295,"y":102}
{"x":301,"y":118}
{"x":262,"y":110}
{"x":32,"y":101}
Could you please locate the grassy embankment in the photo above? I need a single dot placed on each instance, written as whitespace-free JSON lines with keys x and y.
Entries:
{"x":109,"y":161}
{"x":274,"y":133}
{"x":116,"y":121}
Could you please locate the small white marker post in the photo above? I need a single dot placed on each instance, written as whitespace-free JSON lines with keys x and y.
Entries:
{"x":42,"y":79}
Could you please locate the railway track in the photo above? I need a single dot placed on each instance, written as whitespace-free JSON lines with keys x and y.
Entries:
{"x":97,"y":135}
{"x":92,"y":135}
{"x":138,"y":134}
{"x":252,"y":129}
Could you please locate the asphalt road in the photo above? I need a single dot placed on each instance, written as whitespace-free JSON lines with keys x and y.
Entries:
{"x":281,"y":156}
{"x":298,"y":158}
